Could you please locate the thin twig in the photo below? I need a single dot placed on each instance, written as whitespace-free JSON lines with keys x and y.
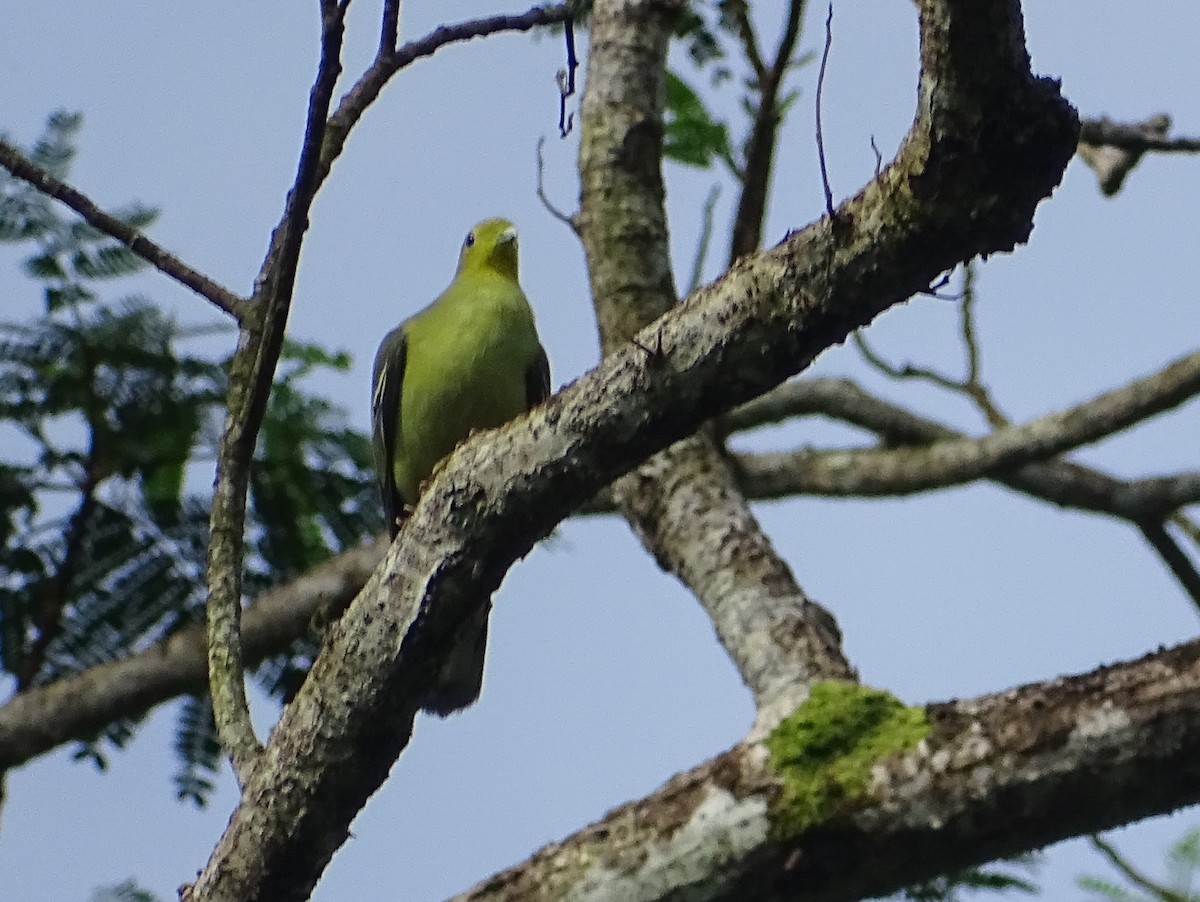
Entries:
{"x":760,"y":145}
{"x":251,"y":373}
{"x":370,"y":83}
{"x":907,"y":371}
{"x":1188,"y":526}
{"x":1132,"y":874}
{"x":162,"y":260}
{"x":970,"y":385}
{"x":745,"y":32}
{"x":973,"y":384}
{"x":389,"y":31}
{"x":554,"y":211}
{"x":566,"y":80}
{"x":1139,"y":136}
{"x":1173,"y":556}
{"x":820,"y":94}
{"x":705,"y":239}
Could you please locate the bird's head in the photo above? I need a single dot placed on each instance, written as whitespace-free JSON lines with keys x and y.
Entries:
{"x":492,"y":244}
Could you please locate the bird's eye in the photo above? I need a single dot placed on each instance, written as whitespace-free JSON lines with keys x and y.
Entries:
{"x":469,"y":240}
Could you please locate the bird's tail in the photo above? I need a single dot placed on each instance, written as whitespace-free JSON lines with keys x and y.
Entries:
{"x":461,"y":677}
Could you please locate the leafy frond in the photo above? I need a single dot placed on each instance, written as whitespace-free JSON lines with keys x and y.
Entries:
{"x":55,"y":149}
{"x":950,"y":887}
{"x":198,"y":749}
{"x":125,"y":891}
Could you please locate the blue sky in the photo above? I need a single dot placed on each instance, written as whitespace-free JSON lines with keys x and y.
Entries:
{"x":604,"y":678}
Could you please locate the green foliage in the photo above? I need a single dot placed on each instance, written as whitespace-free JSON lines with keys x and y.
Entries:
{"x":126,"y":891}
{"x":198,"y":749}
{"x":690,"y":135}
{"x":109,"y":423}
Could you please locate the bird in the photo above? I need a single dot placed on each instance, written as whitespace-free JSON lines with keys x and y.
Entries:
{"x":470,"y":360}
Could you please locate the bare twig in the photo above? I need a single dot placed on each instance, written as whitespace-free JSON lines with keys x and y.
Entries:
{"x":566,"y":80}
{"x":389,"y":29}
{"x":554,"y":211}
{"x":1133,"y":875}
{"x":740,"y":11}
{"x":162,"y":260}
{"x":1173,"y":556}
{"x":705,"y":239}
{"x":370,"y":83}
{"x":907,"y":371}
{"x":820,"y":95}
{"x":1112,"y":150}
{"x":971,"y":385}
{"x":250,"y":375}
{"x":759,"y":151}
{"x":1150,"y":135}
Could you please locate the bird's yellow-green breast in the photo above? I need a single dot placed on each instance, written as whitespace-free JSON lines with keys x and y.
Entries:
{"x":470,"y":360}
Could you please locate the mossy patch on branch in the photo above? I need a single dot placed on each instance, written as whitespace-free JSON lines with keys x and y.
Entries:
{"x":824,"y":751}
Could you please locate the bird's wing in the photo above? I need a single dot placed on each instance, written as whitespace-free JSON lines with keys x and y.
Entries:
{"x":537,"y":379}
{"x":388,"y":382}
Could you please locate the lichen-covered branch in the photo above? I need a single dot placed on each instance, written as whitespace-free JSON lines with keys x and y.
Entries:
{"x":684,"y":504}
{"x":822,"y":810}
{"x":1062,"y":483}
{"x":950,"y":461}
{"x":954,"y":190}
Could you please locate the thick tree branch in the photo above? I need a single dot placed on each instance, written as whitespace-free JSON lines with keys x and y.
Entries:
{"x":162,"y":260}
{"x":1059,"y":482}
{"x":684,"y":504}
{"x":945,"y":462}
{"x":955,"y":189}
{"x":76,"y":707}
{"x":997,"y":775}
{"x":251,"y":373}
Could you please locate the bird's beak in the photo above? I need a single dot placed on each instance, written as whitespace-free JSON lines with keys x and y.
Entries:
{"x":508,"y":236}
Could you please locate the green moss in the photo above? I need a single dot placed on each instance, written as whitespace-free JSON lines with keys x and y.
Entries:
{"x":824,"y":751}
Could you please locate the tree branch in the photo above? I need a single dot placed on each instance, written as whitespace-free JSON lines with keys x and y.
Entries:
{"x":1112,"y":150}
{"x":764,"y":133}
{"x":997,"y":775}
{"x":1141,"y":136}
{"x":954,"y":190}
{"x":945,"y":462}
{"x":684,"y":504}
{"x":1155,"y":533}
{"x":162,"y":260}
{"x":75,"y":707}
{"x":386,"y":64}
{"x":251,"y":373}
{"x":1059,"y":482}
